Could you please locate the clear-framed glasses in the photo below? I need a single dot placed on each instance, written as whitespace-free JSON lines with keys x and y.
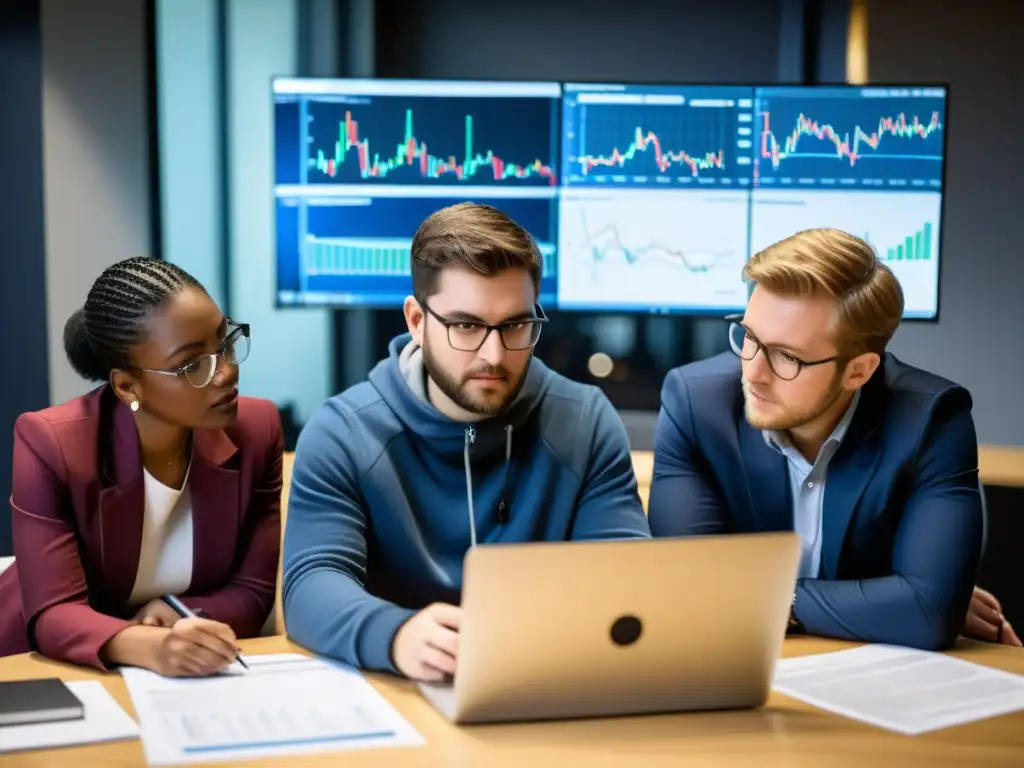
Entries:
{"x":469,"y":335}
{"x":200,"y":371}
{"x":783,"y":364}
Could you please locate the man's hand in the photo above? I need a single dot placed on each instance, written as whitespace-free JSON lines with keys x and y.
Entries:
{"x":156,"y":613}
{"x":427,"y":645}
{"x":985,"y":620}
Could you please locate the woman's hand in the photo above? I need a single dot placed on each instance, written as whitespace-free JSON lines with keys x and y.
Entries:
{"x":157,"y":613}
{"x":196,"y":647}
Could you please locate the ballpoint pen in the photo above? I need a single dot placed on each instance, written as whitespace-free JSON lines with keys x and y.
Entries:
{"x":183,"y":610}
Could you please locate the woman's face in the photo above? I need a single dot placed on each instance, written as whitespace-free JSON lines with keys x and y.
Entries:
{"x":177,"y":338}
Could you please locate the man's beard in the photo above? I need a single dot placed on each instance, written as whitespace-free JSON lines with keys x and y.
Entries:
{"x":783,"y":422}
{"x":455,"y":391}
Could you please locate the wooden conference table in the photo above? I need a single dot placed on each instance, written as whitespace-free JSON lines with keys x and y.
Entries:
{"x":783,"y":733}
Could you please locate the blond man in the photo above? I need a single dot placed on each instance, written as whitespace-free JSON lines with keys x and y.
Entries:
{"x":809,"y":424}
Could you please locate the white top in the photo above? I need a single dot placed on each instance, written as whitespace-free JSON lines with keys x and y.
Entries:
{"x":165,"y":560}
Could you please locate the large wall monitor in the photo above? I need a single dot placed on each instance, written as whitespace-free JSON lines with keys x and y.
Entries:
{"x":643,"y":198}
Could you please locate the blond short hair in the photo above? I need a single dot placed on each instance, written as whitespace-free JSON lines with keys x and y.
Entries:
{"x":833,"y":263}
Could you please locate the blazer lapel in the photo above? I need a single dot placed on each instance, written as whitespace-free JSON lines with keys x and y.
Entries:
{"x":216,"y":505}
{"x":849,"y":473}
{"x":767,"y":480}
{"x":122,"y":508}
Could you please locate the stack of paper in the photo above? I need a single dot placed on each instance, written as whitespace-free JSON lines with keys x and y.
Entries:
{"x":900,"y":689}
{"x":285,"y":704}
{"x":104,"y":721}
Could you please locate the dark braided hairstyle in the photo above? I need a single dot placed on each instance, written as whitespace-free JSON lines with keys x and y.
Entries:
{"x":100,"y":336}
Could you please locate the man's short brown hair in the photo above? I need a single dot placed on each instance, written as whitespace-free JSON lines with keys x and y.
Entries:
{"x":474,"y":237}
{"x":833,"y":263}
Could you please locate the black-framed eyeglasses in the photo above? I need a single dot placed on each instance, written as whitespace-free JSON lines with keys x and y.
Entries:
{"x":469,"y":335}
{"x":783,"y":364}
{"x":200,"y":371}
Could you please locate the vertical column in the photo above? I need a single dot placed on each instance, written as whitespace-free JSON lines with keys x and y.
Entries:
{"x":356,"y":326}
{"x":190,"y":136}
{"x":22,"y":267}
{"x":290,"y":361}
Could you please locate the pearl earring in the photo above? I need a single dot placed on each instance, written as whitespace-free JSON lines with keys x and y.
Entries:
{"x":134,"y":406}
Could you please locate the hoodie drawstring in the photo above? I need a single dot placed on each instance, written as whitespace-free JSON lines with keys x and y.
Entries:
{"x":502,"y":505}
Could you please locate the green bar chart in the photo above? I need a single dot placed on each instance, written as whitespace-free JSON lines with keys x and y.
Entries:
{"x":916,"y":246}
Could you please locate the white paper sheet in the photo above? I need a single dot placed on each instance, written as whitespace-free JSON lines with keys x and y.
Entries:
{"x":286,"y":704}
{"x":104,"y":720}
{"x":900,"y":689}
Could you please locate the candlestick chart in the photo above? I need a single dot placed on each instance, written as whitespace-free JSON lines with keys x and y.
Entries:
{"x":659,"y":144}
{"x":429,"y":142}
{"x":879,"y":143}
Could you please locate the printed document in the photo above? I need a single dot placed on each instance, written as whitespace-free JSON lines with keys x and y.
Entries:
{"x":104,"y":720}
{"x":900,"y":689}
{"x":285,"y":704}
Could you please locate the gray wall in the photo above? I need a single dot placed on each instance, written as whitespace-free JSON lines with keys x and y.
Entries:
{"x":644,"y":40}
{"x":976,"y":48}
{"x":96,"y":156}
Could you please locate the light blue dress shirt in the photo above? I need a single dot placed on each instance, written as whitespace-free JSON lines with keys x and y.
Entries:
{"x":807,"y":487}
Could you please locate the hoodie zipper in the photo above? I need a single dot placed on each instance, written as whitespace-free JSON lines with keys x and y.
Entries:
{"x":467,"y":450}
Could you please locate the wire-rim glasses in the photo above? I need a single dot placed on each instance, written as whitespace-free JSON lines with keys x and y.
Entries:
{"x":201,"y":371}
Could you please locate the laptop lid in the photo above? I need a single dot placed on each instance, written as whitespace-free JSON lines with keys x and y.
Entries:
{"x":579,"y":629}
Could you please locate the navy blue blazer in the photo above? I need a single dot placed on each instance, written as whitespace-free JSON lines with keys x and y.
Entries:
{"x":902,"y":517}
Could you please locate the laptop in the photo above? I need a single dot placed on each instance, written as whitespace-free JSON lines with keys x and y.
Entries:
{"x":604,"y":628}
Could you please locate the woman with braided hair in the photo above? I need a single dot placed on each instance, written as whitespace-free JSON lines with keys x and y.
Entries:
{"x":161,"y":481}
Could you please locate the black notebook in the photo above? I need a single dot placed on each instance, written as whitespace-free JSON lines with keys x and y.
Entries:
{"x":38,"y":701}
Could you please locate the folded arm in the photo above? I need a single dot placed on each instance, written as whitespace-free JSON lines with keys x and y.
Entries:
{"x":327,"y":608}
{"x":683,"y":501}
{"x":55,"y":598}
{"x":935,"y":557}
{"x":609,"y":505}
{"x":245,"y":601}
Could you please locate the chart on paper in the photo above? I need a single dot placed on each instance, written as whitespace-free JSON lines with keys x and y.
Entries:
{"x":652,"y":251}
{"x":286,"y":704}
{"x":903,"y":227}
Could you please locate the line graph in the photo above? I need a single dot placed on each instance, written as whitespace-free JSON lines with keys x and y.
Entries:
{"x":650,"y":251}
{"x":650,"y":136}
{"x":853,"y":141}
{"x":479,"y":141}
{"x":903,"y":227}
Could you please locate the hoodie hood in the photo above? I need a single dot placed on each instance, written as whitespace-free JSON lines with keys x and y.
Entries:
{"x":401,"y":381}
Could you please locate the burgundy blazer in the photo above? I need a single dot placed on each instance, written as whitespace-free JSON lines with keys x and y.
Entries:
{"x":77,"y":506}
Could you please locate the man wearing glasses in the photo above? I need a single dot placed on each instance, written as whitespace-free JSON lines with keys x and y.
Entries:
{"x":459,"y":437}
{"x":808,"y":424}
